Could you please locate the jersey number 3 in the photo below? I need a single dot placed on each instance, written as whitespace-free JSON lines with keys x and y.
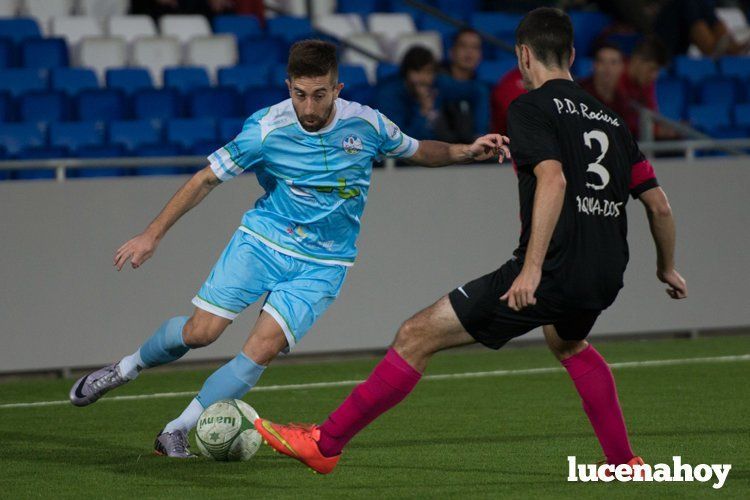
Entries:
{"x":595,"y":167}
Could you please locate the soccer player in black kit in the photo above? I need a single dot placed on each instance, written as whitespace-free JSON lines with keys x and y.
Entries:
{"x":577,"y":164}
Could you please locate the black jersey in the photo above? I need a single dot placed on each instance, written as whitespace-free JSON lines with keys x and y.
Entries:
{"x":587,"y":255}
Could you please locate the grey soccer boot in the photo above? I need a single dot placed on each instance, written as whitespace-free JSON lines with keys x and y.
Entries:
{"x":93,"y":386}
{"x":173,"y":444}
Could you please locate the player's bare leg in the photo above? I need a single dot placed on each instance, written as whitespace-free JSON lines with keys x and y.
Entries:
{"x":319,"y":447}
{"x":596,"y":386}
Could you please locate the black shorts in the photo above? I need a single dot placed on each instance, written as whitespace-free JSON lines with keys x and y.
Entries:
{"x":492,"y":323}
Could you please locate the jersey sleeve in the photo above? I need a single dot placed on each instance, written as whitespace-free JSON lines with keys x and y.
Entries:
{"x":393,"y":142}
{"x":240,"y":154}
{"x":642,"y":175}
{"x":532,"y":135}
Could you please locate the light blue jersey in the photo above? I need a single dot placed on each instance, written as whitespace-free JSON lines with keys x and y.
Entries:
{"x":316,"y":183}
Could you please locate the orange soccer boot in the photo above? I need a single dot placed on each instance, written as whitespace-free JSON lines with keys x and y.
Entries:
{"x":299,"y":441}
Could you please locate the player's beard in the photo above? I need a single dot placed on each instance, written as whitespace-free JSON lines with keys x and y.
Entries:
{"x":316,"y":122}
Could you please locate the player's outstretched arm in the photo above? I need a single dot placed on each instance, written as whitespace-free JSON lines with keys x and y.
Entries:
{"x":440,"y":154}
{"x":142,"y":247}
{"x":662,"y":229}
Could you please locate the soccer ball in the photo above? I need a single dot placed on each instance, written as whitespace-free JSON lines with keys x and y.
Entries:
{"x":225,"y":431}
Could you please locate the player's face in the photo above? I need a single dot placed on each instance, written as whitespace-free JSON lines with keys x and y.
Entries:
{"x":313,"y":99}
{"x":467,"y":52}
{"x":608,"y":67}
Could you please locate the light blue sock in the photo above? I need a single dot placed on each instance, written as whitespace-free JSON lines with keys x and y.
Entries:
{"x":231,"y":381}
{"x":166,"y":344}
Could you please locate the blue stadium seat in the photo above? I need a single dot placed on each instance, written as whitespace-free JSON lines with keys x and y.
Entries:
{"x":73,"y":80}
{"x":205,"y":147}
{"x":44,"y":53}
{"x":41,"y":153}
{"x":6,"y":107}
{"x":159,"y":104}
{"x":229,"y":128}
{"x":278,"y":75}
{"x":490,"y":72}
{"x":446,"y":30}
{"x":694,"y":69}
{"x":401,"y":6}
{"x":495,"y":22}
{"x":290,"y":29}
{"x":709,"y":117}
{"x":75,"y":135}
{"x":672,"y":97}
{"x":239,"y":26}
{"x":133,"y":134}
{"x":15,"y":137}
{"x":43,"y":106}
{"x":719,"y":90}
{"x":735,"y":66}
{"x":7,"y":53}
{"x":214,"y":102}
{"x":583,"y":67}
{"x":129,"y":79}
{"x":155,"y":150}
{"x":461,"y":9}
{"x":742,"y":116}
{"x":186,"y":78}
{"x":265,"y":50}
{"x":20,"y":80}
{"x":256,"y":99}
{"x":386,"y":70}
{"x":363,"y":94}
{"x":101,"y":105}
{"x":352,"y":75}
{"x":245,"y":77}
{"x":587,"y":26}
{"x":186,"y":132}
{"x":99,"y":151}
{"x":362,"y":7}
{"x":19,"y":28}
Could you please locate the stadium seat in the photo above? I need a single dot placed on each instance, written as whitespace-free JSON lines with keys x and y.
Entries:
{"x":156,"y":53}
{"x":9,"y":8}
{"x":133,"y":134}
{"x":719,"y":90}
{"x":185,"y":78}
{"x":44,"y":53}
{"x":446,"y":30}
{"x":229,"y":128}
{"x":459,"y":9}
{"x":75,"y":28}
{"x":263,"y":50}
{"x":352,"y":75}
{"x":185,"y":132}
{"x":362,"y":7}
{"x":340,"y":25}
{"x":694,"y":69}
{"x":290,"y":29}
{"x":587,"y":26}
{"x":7,"y":53}
{"x":239,"y":26}
{"x":16,"y":81}
{"x":214,"y":102}
{"x":205,"y":147}
{"x":73,"y":80}
{"x":363,"y":94}
{"x":742,"y":116}
{"x":104,"y":8}
{"x":156,"y":104}
{"x":490,"y":72}
{"x":40,"y":153}
{"x":100,"y":105}
{"x":709,"y":117}
{"x":15,"y":137}
{"x":256,"y":99}
{"x":402,"y":7}
{"x":74,"y":135}
{"x":390,"y":26}
{"x":6,"y":107}
{"x":45,"y":10}
{"x":129,"y":79}
{"x":184,"y":27}
{"x":131,"y":27}
{"x":735,"y":66}
{"x":494,"y":22}
{"x":19,"y":28}
{"x":672,"y":97}
{"x":386,"y":71}
{"x":278,"y":75}
{"x":43,"y":106}
{"x":98,"y":151}
{"x":155,"y":150}
{"x":429,"y":39}
{"x":245,"y":77}
{"x":369,"y":43}
{"x":102,"y":53}
{"x":212,"y":52}
{"x":583,"y":67}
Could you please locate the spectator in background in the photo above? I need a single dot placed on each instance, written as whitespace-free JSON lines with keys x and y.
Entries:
{"x":465,"y":55}
{"x":505,"y":92}
{"x":604,"y":83}
{"x":415,"y":99}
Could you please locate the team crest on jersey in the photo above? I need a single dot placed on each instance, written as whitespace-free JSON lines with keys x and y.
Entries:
{"x":352,"y":144}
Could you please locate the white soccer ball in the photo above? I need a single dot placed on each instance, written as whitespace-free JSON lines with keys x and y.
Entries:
{"x":225,"y":431}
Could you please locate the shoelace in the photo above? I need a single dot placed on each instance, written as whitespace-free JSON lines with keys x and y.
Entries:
{"x":106,"y":379}
{"x":180,"y":446}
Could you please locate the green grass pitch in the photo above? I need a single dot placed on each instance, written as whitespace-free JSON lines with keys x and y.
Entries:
{"x":505,"y":436}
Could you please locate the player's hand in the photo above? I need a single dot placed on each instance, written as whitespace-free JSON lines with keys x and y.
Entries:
{"x":488,"y":146}
{"x":521,"y":293}
{"x":138,"y":250}
{"x":677,"y":285}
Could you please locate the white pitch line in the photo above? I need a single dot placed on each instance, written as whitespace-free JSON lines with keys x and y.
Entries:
{"x":447,"y":376}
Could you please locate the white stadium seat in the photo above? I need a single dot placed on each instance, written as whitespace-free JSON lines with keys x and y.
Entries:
{"x":184,"y":27}
{"x":298,"y":8}
{"x":44,"y":9}
{"x":103,"y":8}
{"x":369,"y":43}
{"x":430,"y":39}
{"x":9,"y":8}
{"x":101,"y":53}
{"x":75,"y":28}
{"x":131,"y":27}
{"x":212,"y":52}
{"x":340,"y":25}
{"x":157,"y":53}
{"x":390,"y":26}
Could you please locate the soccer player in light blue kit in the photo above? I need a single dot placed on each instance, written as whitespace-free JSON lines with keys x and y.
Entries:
{"x":313,"y":156}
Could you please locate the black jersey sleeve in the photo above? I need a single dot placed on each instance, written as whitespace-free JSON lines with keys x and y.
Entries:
{"x":532,"y":135}
{"x":642,"y":175}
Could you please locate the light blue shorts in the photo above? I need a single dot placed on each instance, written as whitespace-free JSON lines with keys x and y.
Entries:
{"x":299,"y":291}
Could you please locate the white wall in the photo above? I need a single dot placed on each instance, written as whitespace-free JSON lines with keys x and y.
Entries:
{"x":424,"y":232}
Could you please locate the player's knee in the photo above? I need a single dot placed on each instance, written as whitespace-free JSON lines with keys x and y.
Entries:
{"x":200,"y":333}
{"x":566,"y":349}
{"x":411,"y":337}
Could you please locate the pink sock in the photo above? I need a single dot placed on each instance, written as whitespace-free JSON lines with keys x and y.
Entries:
{"x":596,"y":385}
{"x":390,"y":382}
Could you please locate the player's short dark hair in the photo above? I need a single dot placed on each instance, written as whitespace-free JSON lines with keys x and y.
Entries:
{"x":606,"y":45}
{"x":652,"y":49}
{"x":312,"y":58}
{"x":463,"y":31}
{"x":416,"y":59}
{"x":549,"y":34}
